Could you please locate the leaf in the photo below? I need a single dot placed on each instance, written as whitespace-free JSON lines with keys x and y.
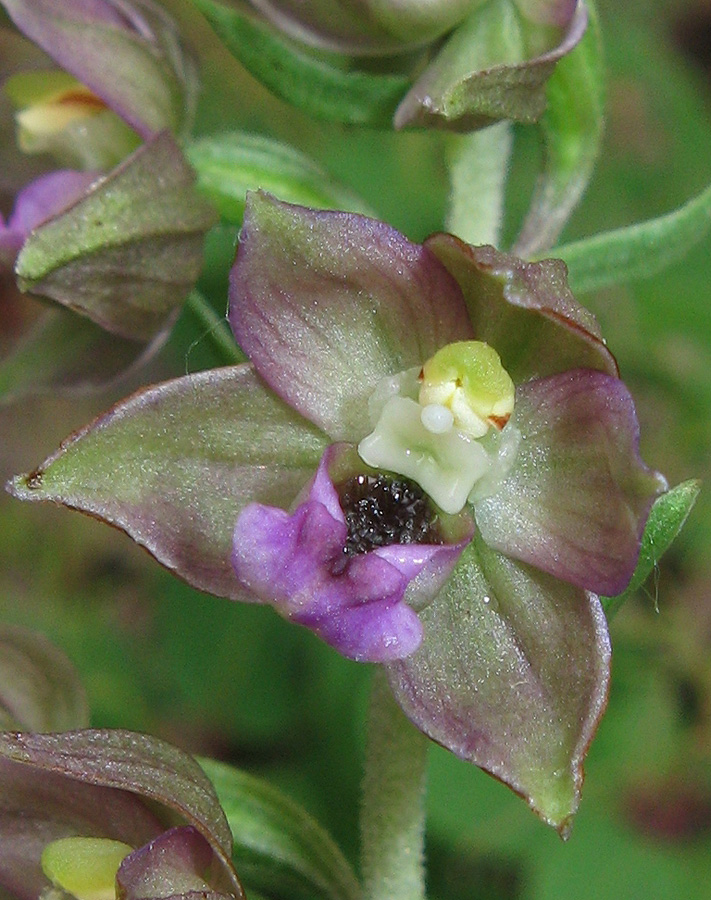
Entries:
{"x":278,"y":848}
{"x":665,"y":521}
{"x":39,"y":687}
{"x":512,"y":676}
{"x":127,"y":253}
{"x":174,"y":464}
{"x":230,"y":164}
{"x":637,"y":251}
{"x":572,"y":129}
{"x":312,"y":81}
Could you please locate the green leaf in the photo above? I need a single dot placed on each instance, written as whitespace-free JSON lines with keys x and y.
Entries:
{"x":572,"y":132}
{"x":278,"y":848}
{"x":230,"y":164}
{"x":315,"y":82}
{"x":637,"y":251}
{"x":666,"y":520}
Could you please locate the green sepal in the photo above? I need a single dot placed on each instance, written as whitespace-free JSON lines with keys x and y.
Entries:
{"x":572,"y":129}
{"x":494,"y":66}
{"x":128,"y":252}
{"x":278,"y":848}
{"x":314,"y":81}
{"x":665,"y":521}
{"x":230,"y":164}
{"x":637,"y":251}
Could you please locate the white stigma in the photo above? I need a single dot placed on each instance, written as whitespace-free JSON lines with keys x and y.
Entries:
{"x":436,"y":418}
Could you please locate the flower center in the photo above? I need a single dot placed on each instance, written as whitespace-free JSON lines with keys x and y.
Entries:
{"x":443,"y":425}
{"x":382,"y":511}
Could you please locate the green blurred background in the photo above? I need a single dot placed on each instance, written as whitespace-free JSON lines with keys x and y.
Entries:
{"x":238,"y":683}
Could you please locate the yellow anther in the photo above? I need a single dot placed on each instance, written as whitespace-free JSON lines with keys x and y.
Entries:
{"x":468,"y":378}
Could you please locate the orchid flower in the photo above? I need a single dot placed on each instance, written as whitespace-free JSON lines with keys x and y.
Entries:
{"x":92,"y":813}
{"x":106,"y":119}
{"x":430,"y":461}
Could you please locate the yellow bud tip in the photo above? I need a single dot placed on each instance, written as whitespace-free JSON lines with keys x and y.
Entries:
{"x":468,"y":377}
{"x":84,"y":866}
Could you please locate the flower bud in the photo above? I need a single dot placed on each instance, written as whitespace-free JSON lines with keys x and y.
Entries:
{"x":367,"y":26}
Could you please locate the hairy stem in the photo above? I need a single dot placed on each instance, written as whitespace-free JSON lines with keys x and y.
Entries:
{"x":393,"y":810}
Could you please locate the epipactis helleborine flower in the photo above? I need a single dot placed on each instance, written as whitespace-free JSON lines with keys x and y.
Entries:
{"x":548,"y":472}
{"x":429,"y":460}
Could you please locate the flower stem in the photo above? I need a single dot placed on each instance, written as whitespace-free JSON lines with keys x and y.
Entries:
{"x":393,"y":809}
{"x":215,"y":328}
{"x":478,"y":166}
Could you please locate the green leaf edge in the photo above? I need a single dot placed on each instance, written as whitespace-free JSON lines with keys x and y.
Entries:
{"x":303,"y":79}
{"x":636,"y":251}
{"x":231,"y":164}
{"x":666,"y":519}
{"x":325,"y":869}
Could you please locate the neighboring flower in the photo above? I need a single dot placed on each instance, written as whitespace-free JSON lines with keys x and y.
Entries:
{"x":84,"y":810}
{"x":430,"y":461}
{"x":106,"y":122}
{"x":482,"y":61}
{"x":97,"y":814}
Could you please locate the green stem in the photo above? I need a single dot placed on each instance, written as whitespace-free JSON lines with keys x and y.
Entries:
{"x":393,"y":810}
{"x":216,"y":329}
{"x":478,"y":166}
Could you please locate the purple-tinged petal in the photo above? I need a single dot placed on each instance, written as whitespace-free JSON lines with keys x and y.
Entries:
{"x":577,"y":498}
{"x":512,"y":675}
{"x":39,"y":201}
{"x":129,"y":55}
{"x":326,"y":304}
{"x":356,"y":604}
{"x":178,"y":863}
{"x":178,"y":491}
{"x":526,"y":311}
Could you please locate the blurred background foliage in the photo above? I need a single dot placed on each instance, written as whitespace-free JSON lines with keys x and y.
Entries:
{"x":237,"y":683}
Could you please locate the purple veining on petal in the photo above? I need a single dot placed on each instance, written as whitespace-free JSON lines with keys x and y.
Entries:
{"x":296,"y":562}
{"x":327,"y":304}
{"x":577,"y":499}
{"x":38,"y":201}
